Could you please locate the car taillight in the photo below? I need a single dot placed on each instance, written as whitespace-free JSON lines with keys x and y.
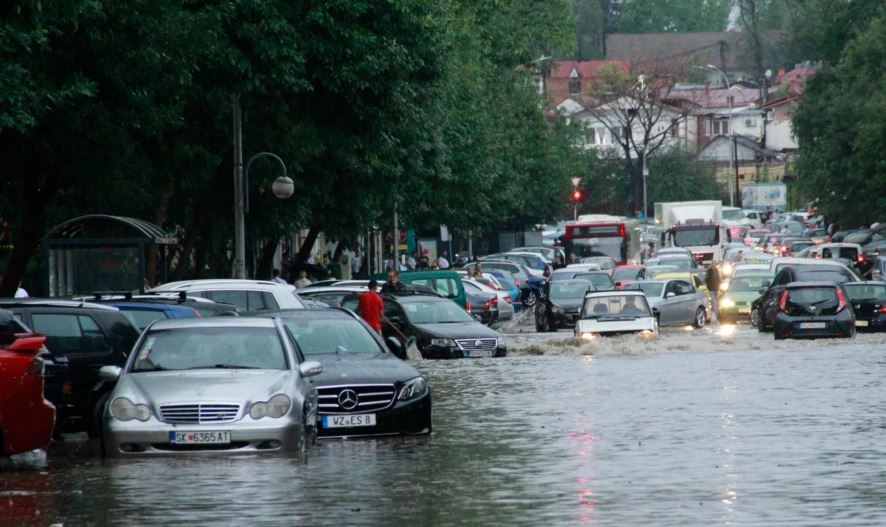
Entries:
{"x":468,"y":306}
{"x":495,"y":301}
{"x":784,"y":248}
{"x":883,"y":310}
{"x":36,"y":367}
{"x":860,"y":258}
{"x":783,"y":302}
{"x":841,"y":301}
{"x":487,"y":305}
{"x":508,"y":299}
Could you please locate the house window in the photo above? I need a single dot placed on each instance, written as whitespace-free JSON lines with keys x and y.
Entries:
{"x":720,"y":127}
{"x":574,"y":86}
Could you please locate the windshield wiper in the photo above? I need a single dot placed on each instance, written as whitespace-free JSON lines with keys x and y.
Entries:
{"x":223,"y":367}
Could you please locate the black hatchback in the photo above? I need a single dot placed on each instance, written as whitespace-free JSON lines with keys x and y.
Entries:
{"x":560,"y":303}
{"x":813,"y":310}
{"x":868,"y":301}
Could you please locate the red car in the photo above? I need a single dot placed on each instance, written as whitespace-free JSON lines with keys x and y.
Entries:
{"x":26,"y":418}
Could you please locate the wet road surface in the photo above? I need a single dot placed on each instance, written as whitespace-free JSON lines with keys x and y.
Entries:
{"x":710,"y":427}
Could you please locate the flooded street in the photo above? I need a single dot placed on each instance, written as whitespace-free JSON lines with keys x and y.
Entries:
{"x":695,"y":428}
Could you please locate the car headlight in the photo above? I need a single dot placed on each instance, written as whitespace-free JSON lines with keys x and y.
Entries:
{"x":276,"y":407}
{"x":724,"y":285}
{"x":412,"y":389}
{"x":587,"y":336}
{"x":125,"y":410}
{"x":727,"y":303}
{"x":443,"y":343}
{"x":646,"y":333}
{"x":499,"y":342}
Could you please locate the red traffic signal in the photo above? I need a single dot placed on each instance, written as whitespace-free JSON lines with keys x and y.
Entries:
{"x":577,"y":195}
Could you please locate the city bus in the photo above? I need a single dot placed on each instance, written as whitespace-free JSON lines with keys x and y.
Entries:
{"x":603,"y":235}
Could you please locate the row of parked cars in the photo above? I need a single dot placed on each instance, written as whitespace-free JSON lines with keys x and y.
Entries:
{"x":222,"y":365}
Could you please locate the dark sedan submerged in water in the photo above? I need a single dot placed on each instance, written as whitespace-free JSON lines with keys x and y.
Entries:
{"x":363,"y":390}
{"x":868,"y":301}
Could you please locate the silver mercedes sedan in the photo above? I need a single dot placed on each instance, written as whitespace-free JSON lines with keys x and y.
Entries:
{"x":211,"y":385}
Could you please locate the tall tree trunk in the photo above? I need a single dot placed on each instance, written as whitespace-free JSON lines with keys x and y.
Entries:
{"x":160,"y":213}
{"x":305,"y":250}
{"x":265,"y":263}
{"x":30,"y":229}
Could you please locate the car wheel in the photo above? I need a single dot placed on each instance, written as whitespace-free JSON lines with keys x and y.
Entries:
{"x":94,"y":428}
{"x":531,"y":299}
{"x":700,"y":318}
{"x":755,"y":317}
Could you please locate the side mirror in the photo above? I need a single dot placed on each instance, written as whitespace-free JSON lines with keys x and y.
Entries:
{"x":110,"y":373}
{"x":396,"y":347}
{"x":670,"y":294}
{"x":310,"y":368}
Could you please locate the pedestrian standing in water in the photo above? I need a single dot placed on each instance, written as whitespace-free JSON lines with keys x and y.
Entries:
{"x":712,"y":281}
{"x":370,"y":306}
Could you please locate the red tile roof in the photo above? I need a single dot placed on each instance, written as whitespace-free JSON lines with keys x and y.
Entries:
{"x":588,"y":69}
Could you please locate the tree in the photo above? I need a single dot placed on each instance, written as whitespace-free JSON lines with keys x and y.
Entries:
{"x":839,"y":121}
{"x":676,"y":16}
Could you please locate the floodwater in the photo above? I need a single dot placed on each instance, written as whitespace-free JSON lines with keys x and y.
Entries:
{"x":708,"y":427}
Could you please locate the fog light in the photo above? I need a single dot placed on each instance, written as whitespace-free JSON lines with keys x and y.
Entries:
{"x":587,"y":336}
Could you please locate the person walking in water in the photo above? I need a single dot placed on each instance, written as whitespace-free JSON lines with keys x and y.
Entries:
{"x":370,"y":306}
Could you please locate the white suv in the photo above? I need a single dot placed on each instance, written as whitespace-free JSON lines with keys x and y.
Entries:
{"x":247,"y":295}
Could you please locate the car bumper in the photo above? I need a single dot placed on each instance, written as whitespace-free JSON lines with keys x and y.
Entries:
{"x":565,"y":320}
{"x":403,"y":418}
{"x":23,"y":435}
{"x":870,"y":325}
{"x":734,"y":314}
{"x":792,"y":327}
{"x":454,"y":352}
{"x":587,"y":329}
{"x":135,"y":438}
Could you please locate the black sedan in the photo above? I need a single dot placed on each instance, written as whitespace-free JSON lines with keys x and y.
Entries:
{"x":560,"y":303}
{"x":364,"y":390}
{"x":868,"y":301}
{"x":813,"y":310}
{"x":441,"y":329}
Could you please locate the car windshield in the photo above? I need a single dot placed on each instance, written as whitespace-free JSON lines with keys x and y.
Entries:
{"x":748,"y":283}
{"x":435,"y":313}
{"x":861,"y":292}
{"x":708,"y":235}
{"x":339,"y":336}
{"x":568,"y":291}
{"x":615,"y":306}
{"x":605,"y":263}
{"x":682,"y":264}
{"x":626,"y":273}
{"x":210,"y":347}
{"x":600,"y":280}
{"x":651,"y":289}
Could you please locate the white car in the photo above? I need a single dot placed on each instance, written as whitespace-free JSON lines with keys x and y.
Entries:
{"x":247,"y":295}
{"x":615,"y":312}
{"x":777,"y":264}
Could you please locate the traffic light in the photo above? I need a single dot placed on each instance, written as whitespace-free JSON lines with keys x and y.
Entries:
{"x":577,"y":195}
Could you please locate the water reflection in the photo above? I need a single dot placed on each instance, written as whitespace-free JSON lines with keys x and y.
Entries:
{"x":771,"y":437}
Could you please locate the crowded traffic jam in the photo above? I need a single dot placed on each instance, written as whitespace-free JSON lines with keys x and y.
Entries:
{"x":237,"y":366}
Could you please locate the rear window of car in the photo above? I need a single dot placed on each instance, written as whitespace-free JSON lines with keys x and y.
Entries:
{"x":866,"y":292}
{"x":823,"y":299}
{"x":142,"y":319}
{"x":837,"y":276}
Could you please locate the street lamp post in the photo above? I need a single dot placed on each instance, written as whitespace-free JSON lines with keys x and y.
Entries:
{"x":645,"y":176}
{"x":283,"y":188}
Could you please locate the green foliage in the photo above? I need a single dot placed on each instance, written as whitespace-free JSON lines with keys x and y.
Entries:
{"x":840,"y":127}
{"x":675,"y":175}
{"x":678,"y":16}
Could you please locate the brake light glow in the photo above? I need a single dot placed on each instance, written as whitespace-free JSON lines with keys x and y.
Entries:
{"x":783,"y":302}
{"x":621,"y":229}
{"x":841,"y":301}
{"x":487,"y":305}
{"x":883,"y":310}
{"x":495,"y":301}
{"x":468,"y":306}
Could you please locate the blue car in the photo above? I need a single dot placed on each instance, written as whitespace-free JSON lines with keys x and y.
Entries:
{"x":509,"y":283}
{"x":142,"y":314}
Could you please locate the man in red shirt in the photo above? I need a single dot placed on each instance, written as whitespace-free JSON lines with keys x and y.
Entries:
{"x":370,"y":306}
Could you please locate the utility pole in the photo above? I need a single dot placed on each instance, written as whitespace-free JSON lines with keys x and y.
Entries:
{"x":733,"y":161}
{"x":239,"y":217}
{"x":645,"y":176}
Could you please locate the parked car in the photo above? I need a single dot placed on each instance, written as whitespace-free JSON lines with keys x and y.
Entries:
{"x":868,"y":301}
{"x":445,"y":283}
{"x":85,"y":336}
{"x":27,"y":419}
{"x":482,"y":305}
{"x":442,"y":330}
{"x":364,"y":390}
{"x":755,"y":237}
{"x":792,"y":247}
{"x":510,"y":284}
{"x":530,"y":285}
{"x":223,"y":384}
{"x":560,"y":303}
{"x":548,"y":253}
{"x":816,"y":271}
{"x":533,"y":262}
{"x":247,"y":295}
{"x":674,"y":302}
{"x":813,"y":309}
{"x":502,"y":303}
{"x":849,"y":254}
{"x":142,"y":314}
{"x":625,"y":274}
{"x":735,"y":302}
{"x":602,"y":280}
{"x":332,"y":295}
{"x":615,"y":312}
{"x":606,"y":263}
{"x":777,"y":264}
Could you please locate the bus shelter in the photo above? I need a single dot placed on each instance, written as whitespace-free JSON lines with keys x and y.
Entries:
{"x":99,"y":252}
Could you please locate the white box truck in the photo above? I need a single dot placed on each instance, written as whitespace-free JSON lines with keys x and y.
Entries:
{"x":695,"y":225}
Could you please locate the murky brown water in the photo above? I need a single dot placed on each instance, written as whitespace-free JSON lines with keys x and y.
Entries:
{"x":674,"y":437}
